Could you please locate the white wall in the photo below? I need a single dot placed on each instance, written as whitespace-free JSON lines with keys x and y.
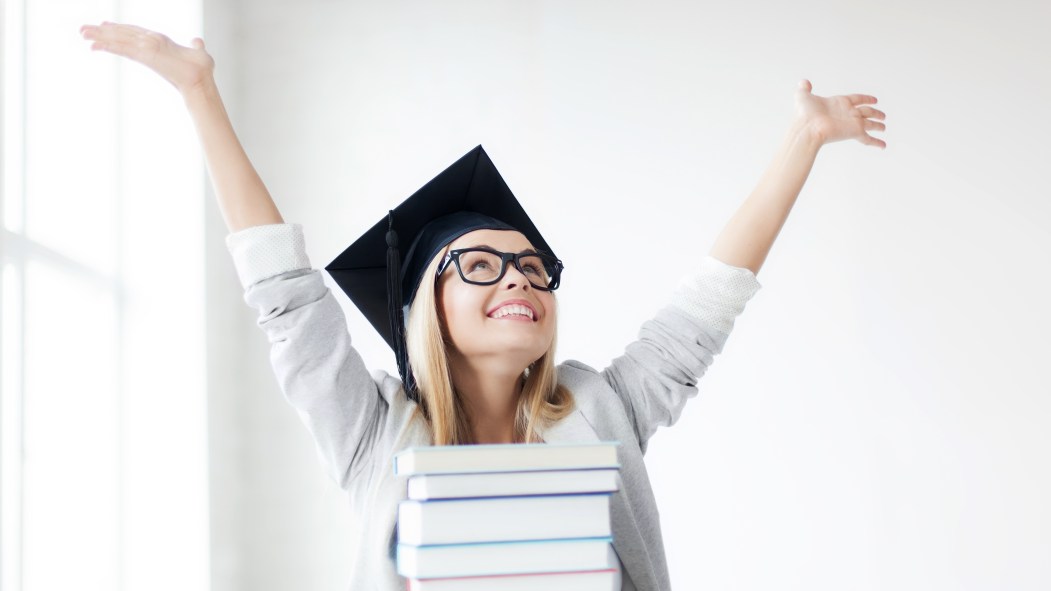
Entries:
{"x":277,"y":522}
{"x":878,"y":418}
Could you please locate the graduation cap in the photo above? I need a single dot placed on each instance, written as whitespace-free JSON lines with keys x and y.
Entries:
{"x":380,"y":275}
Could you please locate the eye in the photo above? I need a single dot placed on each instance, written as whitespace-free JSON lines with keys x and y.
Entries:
{"x":478,"y":263}
{"x":533,"y":266}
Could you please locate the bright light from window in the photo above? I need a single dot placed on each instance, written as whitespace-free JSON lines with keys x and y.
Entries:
{"x":10,"y":427}
{"x":103,"y":481}
{"x":70,"y":116}
{"x":71,"y":484}
{"x":13,"y":60}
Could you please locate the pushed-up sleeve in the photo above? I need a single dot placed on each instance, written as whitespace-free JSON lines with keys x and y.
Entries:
{"x":317,"y":368}
{"x":659,"y":371}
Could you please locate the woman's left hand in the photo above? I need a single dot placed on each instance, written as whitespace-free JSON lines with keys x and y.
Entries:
{"x":837,"y":118}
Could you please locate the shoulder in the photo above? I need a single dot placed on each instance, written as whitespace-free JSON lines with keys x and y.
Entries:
{"x":392,"y":390}
{"x":587,"y":384}
{"x":597,"y":401}
{"x":572,"y":372}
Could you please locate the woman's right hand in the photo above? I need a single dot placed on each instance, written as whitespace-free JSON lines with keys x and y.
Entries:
{"x":186,"y":68}
{"x":243,"y":198}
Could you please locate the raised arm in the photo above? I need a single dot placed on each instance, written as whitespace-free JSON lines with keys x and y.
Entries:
{"x":747,"y":238}
{"x":243,"y":199}
{"x":320,"y":373}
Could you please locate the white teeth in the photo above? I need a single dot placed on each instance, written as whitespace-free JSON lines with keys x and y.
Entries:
{"x":513,"y":309}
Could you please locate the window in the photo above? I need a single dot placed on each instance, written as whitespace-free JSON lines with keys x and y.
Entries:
{"x":103,"y":464}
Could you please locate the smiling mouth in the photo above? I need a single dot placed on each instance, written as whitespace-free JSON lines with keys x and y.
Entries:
{"x":514,"y":312}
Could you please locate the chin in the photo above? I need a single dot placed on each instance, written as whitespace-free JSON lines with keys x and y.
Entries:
{"x":524,"y":353}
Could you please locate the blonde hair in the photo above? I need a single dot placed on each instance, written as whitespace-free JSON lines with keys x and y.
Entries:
{"x":543,"y":399}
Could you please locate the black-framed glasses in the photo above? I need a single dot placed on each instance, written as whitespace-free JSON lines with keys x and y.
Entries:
{"x":485,"y":266}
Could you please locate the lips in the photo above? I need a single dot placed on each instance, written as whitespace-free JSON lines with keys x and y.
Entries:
{"x":515,"y":308}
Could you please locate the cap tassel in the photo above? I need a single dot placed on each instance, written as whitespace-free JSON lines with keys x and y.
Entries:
{"x":394,"y":309}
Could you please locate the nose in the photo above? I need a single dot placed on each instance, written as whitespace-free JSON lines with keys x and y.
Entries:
{"x":513,"y":277}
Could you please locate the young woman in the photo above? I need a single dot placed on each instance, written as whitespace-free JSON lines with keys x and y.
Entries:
{"x":476,"y":358}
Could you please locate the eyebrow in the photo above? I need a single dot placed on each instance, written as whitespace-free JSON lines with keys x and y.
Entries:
{"x":523,"y":251}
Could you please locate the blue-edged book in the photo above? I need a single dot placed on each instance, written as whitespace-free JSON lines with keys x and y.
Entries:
{"x":424,"y":487}
{"x":474,"y":560}
{"x":596,"y":580}
{"x":503,"y":519}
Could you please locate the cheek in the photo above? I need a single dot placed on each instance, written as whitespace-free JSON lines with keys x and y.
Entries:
{"x":457,"y":310}
{"x":550,"y":306}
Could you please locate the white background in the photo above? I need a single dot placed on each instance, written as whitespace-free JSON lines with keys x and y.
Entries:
{"x":878,"y":419}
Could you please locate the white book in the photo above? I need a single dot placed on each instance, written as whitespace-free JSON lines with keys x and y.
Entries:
{"x":504,"y":457}
{"x":505,"y":558}
{"x":503,"y":519}
{"x":584,"y":581}
{"x":507,"y":484}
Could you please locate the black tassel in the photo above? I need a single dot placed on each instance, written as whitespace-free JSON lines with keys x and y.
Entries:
{"x":394,"y":309}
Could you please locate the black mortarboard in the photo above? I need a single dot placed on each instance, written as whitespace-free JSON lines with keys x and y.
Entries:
{"x":380,"y":275}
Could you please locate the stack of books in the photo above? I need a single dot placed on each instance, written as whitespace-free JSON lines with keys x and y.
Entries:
{"x":514,"y":516}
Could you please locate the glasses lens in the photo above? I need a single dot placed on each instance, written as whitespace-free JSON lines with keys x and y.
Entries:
{"x":539,"y":270}
{"x":480,"y":266}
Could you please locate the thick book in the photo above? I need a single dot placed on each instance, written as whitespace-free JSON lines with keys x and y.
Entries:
{"x":584,"y":581}
{"x":503,"y":519}
{"x":503,"y":558}
{"x":509,"y":484}
{"x":501,"y":457}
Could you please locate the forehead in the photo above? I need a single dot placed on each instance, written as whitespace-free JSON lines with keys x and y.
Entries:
{"x":505,"y":240}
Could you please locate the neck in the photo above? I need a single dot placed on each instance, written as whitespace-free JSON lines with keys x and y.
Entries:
{"x":490,"y":393}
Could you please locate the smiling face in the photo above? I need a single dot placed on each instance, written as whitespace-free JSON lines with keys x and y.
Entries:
{"x":493,"y":320}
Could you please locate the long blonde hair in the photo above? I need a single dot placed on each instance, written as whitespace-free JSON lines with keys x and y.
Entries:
{"x":543,"y":399}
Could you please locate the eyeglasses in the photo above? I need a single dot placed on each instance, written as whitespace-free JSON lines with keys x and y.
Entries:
{"x":485,"y":266}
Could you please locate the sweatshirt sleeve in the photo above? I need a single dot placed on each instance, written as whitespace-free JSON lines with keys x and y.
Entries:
{"x":320,"y":373}
{"x":659,"y":371}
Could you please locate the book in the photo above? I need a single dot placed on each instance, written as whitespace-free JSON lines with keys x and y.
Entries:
{"x":460,"y":521}
{"x":510,"y":457}
{"x":508,"y":516}
{"x":473,"y":560}
{"x":602,"y":580}
{"x":506,"y":484}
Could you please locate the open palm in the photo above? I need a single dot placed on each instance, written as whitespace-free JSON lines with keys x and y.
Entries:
{"x":185,"y":67}
{"x":840,"y":117}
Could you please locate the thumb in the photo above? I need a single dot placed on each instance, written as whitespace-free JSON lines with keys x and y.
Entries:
{"x":804,"y":84}
{"x":198,"y":43}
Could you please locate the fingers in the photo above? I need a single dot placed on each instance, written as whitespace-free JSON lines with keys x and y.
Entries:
{"x":114,"y":46}
{"x":870,"y":113}
{"x":105,"y":37}
{"x":871,"y":141}
{"x":855,"y":99}
{"x":118,"y":36}
{"x":109,"y":32}
{"x":874,"y":125}
{"x":861,"y":99}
